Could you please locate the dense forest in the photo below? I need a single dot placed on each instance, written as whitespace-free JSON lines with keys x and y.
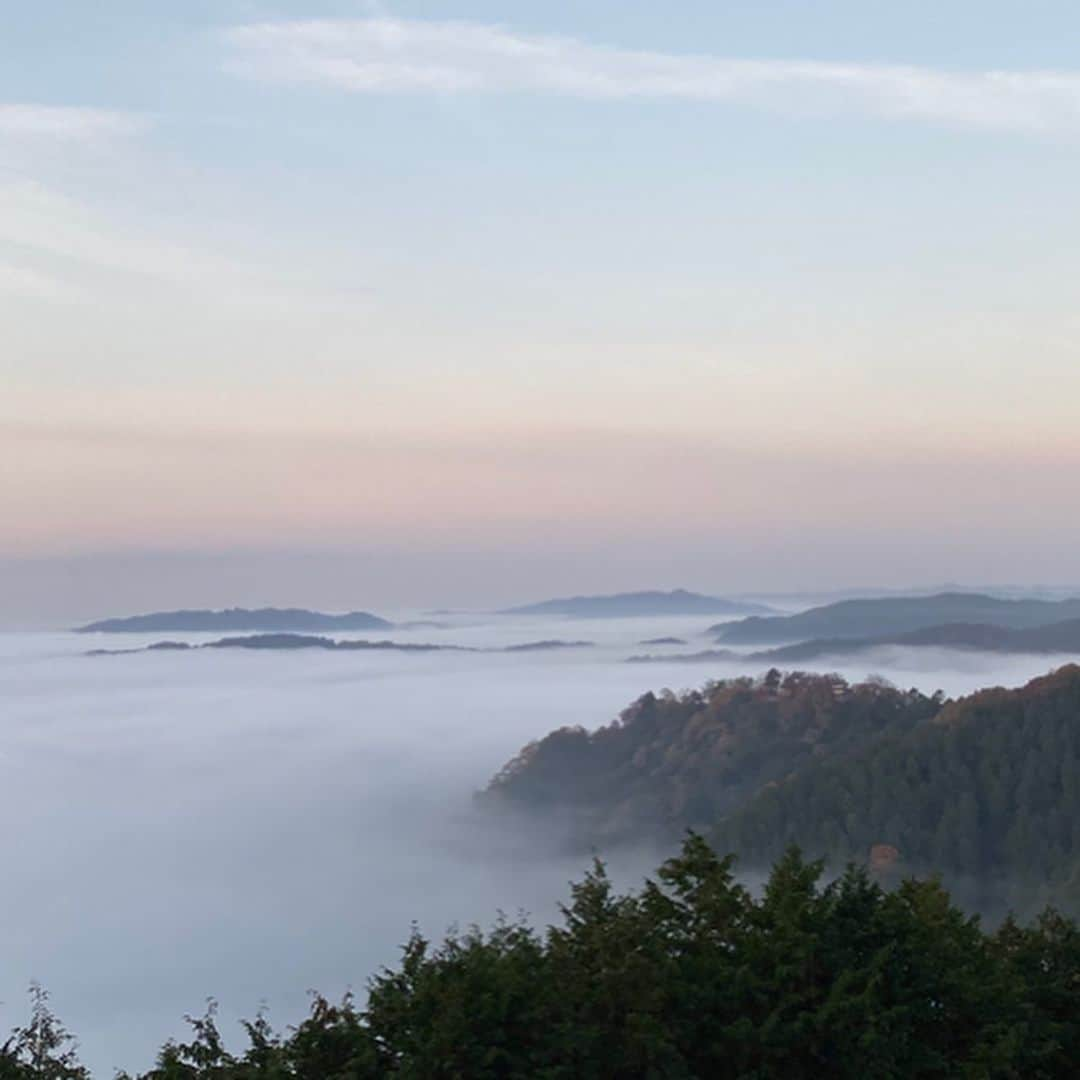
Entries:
{"x":671,"y":761}
{"x":989,"y":792}
{"x":985,"y":790}
{"x":690,"y":976}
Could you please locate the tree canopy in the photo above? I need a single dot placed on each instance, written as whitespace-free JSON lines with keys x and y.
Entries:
{"x":984,"y":790}
{"x":689,"y":976}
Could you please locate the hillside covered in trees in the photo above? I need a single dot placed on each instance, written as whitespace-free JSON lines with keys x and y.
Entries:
{"x":989,"y":792}
{"x":985,"y":789}
{"x":671,"y":761}
{"x":689,"y":977}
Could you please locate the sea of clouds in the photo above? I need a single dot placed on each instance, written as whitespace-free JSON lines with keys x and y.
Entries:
{"x":254,"y":825}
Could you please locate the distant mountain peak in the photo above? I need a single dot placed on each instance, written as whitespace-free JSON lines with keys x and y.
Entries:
{"x":641,"y":603}
{"x":235,"y":618}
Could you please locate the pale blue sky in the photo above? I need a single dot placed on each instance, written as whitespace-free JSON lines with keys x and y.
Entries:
{"x":428,"y":277}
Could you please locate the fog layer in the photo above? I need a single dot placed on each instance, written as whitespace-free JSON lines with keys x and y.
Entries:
{"x":251,"y":826}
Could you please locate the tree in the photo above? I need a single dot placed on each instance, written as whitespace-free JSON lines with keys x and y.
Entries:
{"x":43,"y":1049}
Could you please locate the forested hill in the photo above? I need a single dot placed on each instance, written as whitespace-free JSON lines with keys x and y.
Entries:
{"x":984,"y":789}
{"x":675,"y":760}
{"x":875,"y":618}
{"x":990,"y":790}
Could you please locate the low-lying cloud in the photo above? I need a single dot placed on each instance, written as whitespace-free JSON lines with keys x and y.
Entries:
{"x":387,"y":55}
{"x":251,"y":826}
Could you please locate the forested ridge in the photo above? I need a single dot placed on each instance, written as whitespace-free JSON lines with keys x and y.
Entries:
{"x":985,"y":789}
{"x":990,"y":791}
{"x":1060,"y":637}
{"x":868,"y":617}
{"x":688,"y":977}
{"x":676,"y":760}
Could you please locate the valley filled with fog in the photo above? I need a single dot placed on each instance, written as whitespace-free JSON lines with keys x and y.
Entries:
{"x":250,"y":825}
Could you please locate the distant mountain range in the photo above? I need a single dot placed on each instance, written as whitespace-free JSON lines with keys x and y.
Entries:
{"x":886,"y":616}
{"x":804,"y":598}
{"x":235,"y":619}
{"x":676,"y":602}
{"x":1060,"y":637}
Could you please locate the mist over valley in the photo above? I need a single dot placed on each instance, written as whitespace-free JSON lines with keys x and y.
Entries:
{"x":251,"y":823}
{"x":539,"y":541}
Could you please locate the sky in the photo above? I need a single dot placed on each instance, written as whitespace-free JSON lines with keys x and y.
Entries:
{"x":368,"y":304}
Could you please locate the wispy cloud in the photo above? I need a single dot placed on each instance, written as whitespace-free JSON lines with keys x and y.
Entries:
{"x":53,"y":246}
{"x":68,"y":122}
{"x":387,"y":55}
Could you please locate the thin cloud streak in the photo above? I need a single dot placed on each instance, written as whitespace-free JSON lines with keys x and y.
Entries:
{"x":92,"y":246}
{"x":70,"y":123}
{"x":387,"y":55}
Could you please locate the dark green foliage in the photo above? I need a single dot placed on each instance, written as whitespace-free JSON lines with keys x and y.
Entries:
{"x":676,"y":761}
{"x":43,"y":1049}
{"x":333,"y":1043}
{"x":984,"y":790}
{"x":689,"y":977}
{"x":989,"y":794}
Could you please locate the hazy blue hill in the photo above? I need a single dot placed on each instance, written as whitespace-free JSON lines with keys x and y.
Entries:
{"x":1061,"y":637}
{"x":882,"y":616}
{"x":236,"y":619}
{"x":676,"y":602}
{"x":546,"y":646}
{"x":284,"y":641}
{"x":704,"y":656}
{"x":306,"y":641}
{"x":289,"y":641}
